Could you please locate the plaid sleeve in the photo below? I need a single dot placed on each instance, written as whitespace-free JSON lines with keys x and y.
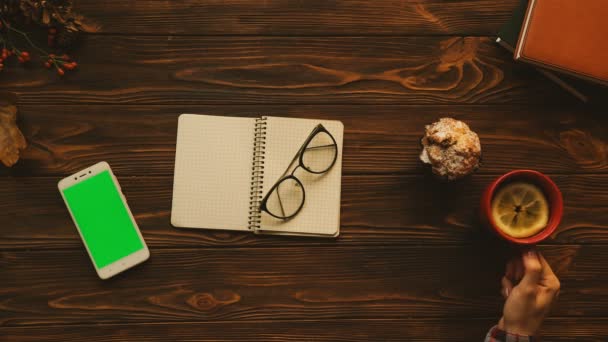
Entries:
{"x":497,"y":335}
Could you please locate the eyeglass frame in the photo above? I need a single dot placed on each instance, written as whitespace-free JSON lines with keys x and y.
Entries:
{"x":299,"y":156}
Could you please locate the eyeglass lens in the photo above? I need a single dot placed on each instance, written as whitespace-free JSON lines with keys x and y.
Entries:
{"x":286,"y":199}
{"x":320,"y":153}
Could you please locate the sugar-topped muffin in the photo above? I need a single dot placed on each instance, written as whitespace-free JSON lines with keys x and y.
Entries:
{"x":451,"y":148}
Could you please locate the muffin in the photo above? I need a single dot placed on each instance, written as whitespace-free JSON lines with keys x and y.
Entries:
{"x":451,"y":149}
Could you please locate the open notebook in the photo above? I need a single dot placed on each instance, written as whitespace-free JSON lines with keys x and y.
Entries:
{"x":225,"y":165}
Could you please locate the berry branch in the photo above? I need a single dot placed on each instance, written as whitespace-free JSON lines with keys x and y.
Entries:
{"x":63,"y":26}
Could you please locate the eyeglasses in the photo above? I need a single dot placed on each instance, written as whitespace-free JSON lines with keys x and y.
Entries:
{"x":317,"y":155}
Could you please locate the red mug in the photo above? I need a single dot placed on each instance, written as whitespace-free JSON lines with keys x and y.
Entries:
{"x":554,"y":198}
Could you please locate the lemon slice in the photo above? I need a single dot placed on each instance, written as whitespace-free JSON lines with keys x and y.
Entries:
{"x":520,"y":209}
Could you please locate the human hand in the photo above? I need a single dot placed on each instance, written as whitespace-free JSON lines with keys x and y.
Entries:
{"x":529,"y":287}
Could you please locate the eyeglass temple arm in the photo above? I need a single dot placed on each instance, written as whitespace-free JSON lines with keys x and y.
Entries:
{"x":280,"y":201}
{"x":301,"y":150}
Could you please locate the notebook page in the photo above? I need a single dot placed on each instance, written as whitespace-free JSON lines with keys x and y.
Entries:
{"x":321,"y":212}
{"x":212,"y":179}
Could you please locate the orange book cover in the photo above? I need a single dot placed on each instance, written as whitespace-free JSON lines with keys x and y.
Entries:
{"x":567,"y":36}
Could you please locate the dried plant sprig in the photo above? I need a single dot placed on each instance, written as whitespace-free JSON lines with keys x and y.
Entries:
{"x":61,"y":63}
{"x":47,"y":13}
{"x":57,"y":16}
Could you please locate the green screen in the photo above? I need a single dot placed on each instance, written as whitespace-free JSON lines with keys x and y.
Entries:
{"x":103,"y":219}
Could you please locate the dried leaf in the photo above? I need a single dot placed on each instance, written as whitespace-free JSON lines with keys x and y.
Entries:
{"x":11,"y":138}
{"x":86,"y":24}
{"x":48,"y":13}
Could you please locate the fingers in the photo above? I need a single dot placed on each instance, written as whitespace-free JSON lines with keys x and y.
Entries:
{"x":507,"y":287}
{"x":532,"y":269}
{"x":549,"y":278}
{"x":547,"y":270}
{"x":519,"y":270}
{"x":514,"y":270}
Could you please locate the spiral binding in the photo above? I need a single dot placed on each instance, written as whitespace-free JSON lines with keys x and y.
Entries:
{"x":257,"y":173}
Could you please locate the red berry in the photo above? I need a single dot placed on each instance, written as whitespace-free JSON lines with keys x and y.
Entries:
{"x":25,"y":54}
{"x":21,"y":60}
{"x":52,"y":55}
{"x":47,"y":64}
{"x":60,"y":72}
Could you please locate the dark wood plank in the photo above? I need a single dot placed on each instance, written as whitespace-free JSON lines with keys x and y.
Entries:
{"x":378,"y":210}
{"x":554,"y":329}
{"x":324,"y":283}
{"x":140,"y":140}
{"x":280,"y":70}
{"x":274,"y":17}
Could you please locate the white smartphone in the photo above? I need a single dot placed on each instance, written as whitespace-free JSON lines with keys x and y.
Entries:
{"x":103,"y":220}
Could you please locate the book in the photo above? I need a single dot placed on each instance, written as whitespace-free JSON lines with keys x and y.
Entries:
{"x":225,"y":165}
{"x":508,"y":36}
{"x":566,"y":36}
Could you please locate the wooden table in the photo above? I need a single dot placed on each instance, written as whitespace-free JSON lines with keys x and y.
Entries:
{"x":412,"y":262}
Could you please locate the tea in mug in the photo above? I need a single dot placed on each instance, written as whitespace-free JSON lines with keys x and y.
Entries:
{"x":520,"y":209}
